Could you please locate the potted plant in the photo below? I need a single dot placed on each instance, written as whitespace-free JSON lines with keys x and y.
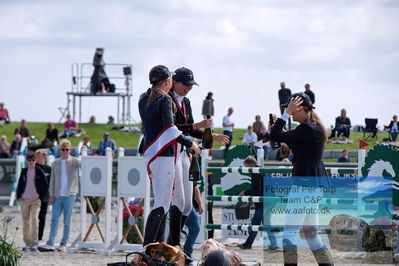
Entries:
{"x":9,"y":253}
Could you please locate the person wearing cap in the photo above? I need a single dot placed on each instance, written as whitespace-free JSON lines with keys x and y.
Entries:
{"x":183,"y":81}
{"x":105,"y":143}
{"x":161,"y":136}
{"x":307,"y":143}
{"x":309,"y":93}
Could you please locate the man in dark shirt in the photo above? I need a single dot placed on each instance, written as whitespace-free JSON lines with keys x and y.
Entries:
{"x":22,"y":129}
{"x":41,"y":156}
{"x":283,"y":96}
{"x":256,"y":190}
{"x":342,"y":125}
{"x":309,"y":93}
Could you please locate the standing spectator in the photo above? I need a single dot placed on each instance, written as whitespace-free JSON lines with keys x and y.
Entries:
{"x":32,"y":188}
{"x":41,"y":157}
{"x":70,"y":127}
{"x":283,"y":96}
{"x":105,"y":143}
{"x":207,"y":106}
{"x":250,"y":137}
{"x":393,"y":128}
{"x":257,"y":125}
{"x":4,"y":147}
{"x":309,"y":93}
{"x":193,"y":222}
{"x":92,"y":119}
{"x":111,"y":120}
{"x":342,"y":125}
{"x":257,"y":219}
{"x":16,"y":145}
{"x":63,"y":189}
{"x":22,"y":129}
{"x":344,"y":157}
{"x":228,"y":126}
{"x":52,"y":133}
{"x":4,"y":116}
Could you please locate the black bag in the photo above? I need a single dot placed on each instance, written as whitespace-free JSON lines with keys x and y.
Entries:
{"x":241,"y":211}
{"x":150,"y":261}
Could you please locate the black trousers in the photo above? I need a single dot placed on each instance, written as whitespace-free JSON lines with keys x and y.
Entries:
{"x":227,"y":147}
{"x":42,"y":218}
{"x":210,"y":207}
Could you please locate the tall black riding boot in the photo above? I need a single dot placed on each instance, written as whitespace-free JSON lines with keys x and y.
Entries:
{"x":290,"y":253}
{"x":151,"y":228}
{"x":161,"y":230}
{"x":323,"y":257}
{"x":174,"y":226}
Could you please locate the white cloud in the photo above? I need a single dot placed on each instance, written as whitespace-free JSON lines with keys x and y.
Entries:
{"x":347,"y":51}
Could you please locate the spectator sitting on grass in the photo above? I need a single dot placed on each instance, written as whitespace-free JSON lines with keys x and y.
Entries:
{"x":22,"y":129}
{"x":84,"y":143}
{"x":283,"y":153}
{"x":70,"y":127}
{"x":4,"y":117}
{"x":92,"y":119}
{"x":111,"y":120}
{"x":4,"y":147}
{"x":344,"y":157}
{"x":52,"y":134}
{"x":105,"y":143}
{"x":250,"y":137}
{"x":16,"y":145}
{"x":393,"y":128}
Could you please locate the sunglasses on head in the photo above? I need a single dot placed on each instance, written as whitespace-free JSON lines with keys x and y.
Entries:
{"x":64,"y":149}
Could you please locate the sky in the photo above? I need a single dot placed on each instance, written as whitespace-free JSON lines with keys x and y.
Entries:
{"x":240,"y":50}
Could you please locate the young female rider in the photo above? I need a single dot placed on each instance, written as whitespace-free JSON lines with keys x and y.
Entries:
{"x":307,"y":143}
{"x":155,"y":108}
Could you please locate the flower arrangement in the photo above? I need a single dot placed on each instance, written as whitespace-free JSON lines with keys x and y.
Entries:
{"x":132,"y":237}
{"x":9,"y":254}
{"x":133,"y":208}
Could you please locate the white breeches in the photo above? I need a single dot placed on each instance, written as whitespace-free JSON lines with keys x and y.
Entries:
{"x":162,"y":172}
{"x":183,"y":192}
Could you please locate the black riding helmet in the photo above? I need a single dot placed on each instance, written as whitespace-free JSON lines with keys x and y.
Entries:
{"x":306,"y":101}
{"x":159,"y":73}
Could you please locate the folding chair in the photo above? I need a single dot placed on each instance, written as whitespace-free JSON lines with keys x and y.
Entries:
{"x":370,"y":128}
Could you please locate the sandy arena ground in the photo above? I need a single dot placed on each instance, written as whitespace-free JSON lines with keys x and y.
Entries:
{"x":92,"y":258}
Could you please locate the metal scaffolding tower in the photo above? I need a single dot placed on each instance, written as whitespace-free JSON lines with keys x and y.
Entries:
{"x":80,"y":87}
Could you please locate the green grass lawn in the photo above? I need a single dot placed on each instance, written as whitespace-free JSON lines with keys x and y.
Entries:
{"x":130,"y":140}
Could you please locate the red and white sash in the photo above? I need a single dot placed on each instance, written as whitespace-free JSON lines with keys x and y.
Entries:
{"x":166,"y":137}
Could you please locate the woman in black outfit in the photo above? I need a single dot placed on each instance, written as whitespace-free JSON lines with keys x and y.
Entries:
{"x":161,"y":134}
{"x":51,"y":133}
{"x":307,"y":143}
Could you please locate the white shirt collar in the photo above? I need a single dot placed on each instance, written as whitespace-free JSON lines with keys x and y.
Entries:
{"x":178,"y":97}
